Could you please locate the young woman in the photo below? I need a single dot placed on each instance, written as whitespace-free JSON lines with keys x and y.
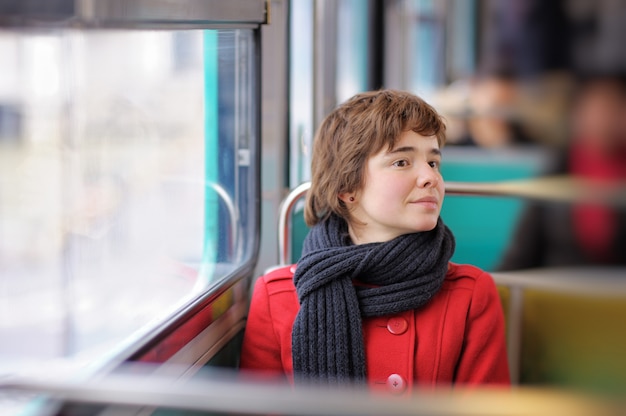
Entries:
{"x":374,"y":298}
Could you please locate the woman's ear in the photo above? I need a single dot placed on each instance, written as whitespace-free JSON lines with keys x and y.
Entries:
{"x":347,"y":197}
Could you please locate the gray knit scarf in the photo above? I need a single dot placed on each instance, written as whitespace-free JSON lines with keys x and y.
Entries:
{"x":395,"y":276}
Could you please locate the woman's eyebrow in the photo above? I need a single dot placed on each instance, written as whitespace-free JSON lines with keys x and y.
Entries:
{"x":403,"y":149}
{"x":410,"y":149}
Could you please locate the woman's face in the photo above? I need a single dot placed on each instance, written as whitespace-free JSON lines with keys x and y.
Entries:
{"x":402,"y":193}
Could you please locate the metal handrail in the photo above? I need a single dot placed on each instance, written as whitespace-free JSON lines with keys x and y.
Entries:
{"x":284,"y":221}
{"x":558,"y":188}
{"x":231,"y":208}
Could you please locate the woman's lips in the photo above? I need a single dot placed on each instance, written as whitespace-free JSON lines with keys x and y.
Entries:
{"x":427,"y":201}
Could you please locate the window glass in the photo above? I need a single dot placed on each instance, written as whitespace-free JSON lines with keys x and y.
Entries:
{"x":347,"y":67}
{"x":301,"y":128}
{"x":352,"y":48}
{"x":426,"y":45}
{"x":125,"y":181}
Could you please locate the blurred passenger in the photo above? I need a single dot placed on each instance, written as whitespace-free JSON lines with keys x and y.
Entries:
{"x":375,"y":269}
{"x":500,"y":110}
{"x":526,"y":55}
{"x":495,"y":113}
{"x":583,"y":233}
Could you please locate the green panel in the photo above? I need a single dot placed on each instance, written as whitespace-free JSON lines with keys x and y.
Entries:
{"x":482,"y":225}
{"x":299,"y":231}
{"x":228,"y":356}
{"x":574,"y":342}
{"x":571,"y":341}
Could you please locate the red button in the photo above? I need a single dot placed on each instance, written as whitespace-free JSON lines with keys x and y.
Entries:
{"x":396,"y":384}
{"x":397,"y":325}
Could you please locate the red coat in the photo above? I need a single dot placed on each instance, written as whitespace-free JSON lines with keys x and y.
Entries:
{"x":458,"y":337}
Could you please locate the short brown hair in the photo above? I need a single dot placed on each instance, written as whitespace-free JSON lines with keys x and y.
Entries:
{"x":353,"y":132}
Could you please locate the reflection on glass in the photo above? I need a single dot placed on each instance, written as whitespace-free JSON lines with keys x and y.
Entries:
{"x":350,"y":70}
{"x":352,"y":48}
{"x":426,"y":50}
{"x":106,"y":205}
{"x":301,"y":91}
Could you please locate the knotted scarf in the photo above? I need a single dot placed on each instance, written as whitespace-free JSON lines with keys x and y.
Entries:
{"x":393,"y":276}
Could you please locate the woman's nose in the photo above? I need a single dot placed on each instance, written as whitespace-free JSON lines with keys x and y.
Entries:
{"x":427,"y":177}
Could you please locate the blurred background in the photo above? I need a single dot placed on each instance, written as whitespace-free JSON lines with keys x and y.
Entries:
{"x":145,"y":151}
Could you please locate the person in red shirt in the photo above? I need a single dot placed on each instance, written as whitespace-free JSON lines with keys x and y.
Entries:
{"x":586,"y":232}
{"x":374,"y":299}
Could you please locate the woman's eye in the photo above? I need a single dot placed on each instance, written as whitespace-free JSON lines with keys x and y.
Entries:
{"x":401,"y":163}
{"x":434,"y":164}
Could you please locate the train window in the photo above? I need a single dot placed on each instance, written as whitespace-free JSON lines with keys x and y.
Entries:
{"x":126,"y":180}
{"x":329,"y":57}
{"x":301,"y":90}
{"x":352,"y":48}
{"x":429,"y":44}
{"x":426,"y":37}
